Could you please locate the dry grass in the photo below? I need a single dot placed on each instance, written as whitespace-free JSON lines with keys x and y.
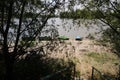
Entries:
{"x":105,"y":62}
{"x":86,"y":54}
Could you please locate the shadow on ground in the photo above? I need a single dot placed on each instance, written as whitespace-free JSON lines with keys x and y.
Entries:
{"x":35,"y":66}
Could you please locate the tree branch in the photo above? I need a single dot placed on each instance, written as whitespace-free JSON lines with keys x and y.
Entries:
{"x":2,"y":20}
{"x":5,"y":44}
{"x":115,"y":30}
{"x":111,"y":26}
{"x":36,"y":33}
{"x":9,"y":17}
{"x":33,"y":19}
{"x":114,"y":7}
{"x":19,"y":27}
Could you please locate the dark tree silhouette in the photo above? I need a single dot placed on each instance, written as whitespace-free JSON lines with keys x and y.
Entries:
{"x":20,"y":18}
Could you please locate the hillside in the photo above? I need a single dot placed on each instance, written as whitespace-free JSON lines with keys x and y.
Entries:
{"x":84,"y":54}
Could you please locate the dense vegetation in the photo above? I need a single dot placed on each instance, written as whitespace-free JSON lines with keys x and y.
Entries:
{"x":110,"y":12}
{"x":110,"y":37}
{"x":81,"y":14}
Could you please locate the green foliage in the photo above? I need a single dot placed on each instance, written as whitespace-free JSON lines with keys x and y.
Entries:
{"x":27,"y":44}
{"x":27,"y":41}
{"x":100,"y":58}
{"x":103,"y":58}
{"x":110,"y":36}
{"x":45,"y":38}
{"x":75,"y":14}
{"x":74,"y":60}
{"x":63,"y":38}
{"x":82,"y":14}
{"x":107,"y":11}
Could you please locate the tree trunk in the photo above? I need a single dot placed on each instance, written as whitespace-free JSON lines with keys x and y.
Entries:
{"x":9,"y":63}
{"x":9,"y":71}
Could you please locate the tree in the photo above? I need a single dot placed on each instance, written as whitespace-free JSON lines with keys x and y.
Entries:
{"x":19,"y":18}
{"x":109,"y":36}
{"x":108,"y":12}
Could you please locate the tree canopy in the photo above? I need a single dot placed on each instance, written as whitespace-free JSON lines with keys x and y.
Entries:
{"x":110,"y":12}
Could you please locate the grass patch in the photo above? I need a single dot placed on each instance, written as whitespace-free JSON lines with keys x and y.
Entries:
{"x":103,"y":57}
{"x":74,"y":60}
